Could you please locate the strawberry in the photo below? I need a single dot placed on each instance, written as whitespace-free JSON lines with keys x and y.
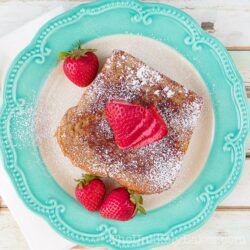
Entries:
{"x":122,"y":205}
{"x":90,"y":192}
{"x":155,"y":132}
{"x":80,"y":65}
{"x":134,"y":125}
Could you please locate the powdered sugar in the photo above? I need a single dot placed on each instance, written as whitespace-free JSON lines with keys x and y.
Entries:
{"x":157,"y":92}
{"x":152,"y":168}
{"x":168,"y":92}
{"x":146,"y":76}
{"x":23,"y":121}
{"x":103,"y":127}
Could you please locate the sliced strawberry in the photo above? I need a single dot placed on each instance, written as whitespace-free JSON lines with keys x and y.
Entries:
{"x":152,"y":138}
{"x":156,"y":132}
{"x":158,"y":118}
{"x":119,"y":115}
{"x":126,"y":119}
{"x":134,"y":125}
{"x":139,"y":130}
{"x":147,"y":131}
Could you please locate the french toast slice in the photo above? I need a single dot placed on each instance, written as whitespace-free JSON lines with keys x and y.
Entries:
{"x":86,"y":137}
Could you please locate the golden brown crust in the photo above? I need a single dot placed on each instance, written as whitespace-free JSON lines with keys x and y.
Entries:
{"x":66,"y":149}
{"x":87,"y":139}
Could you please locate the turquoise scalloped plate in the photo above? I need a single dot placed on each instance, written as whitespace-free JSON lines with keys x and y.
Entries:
{"x":193,"y":207}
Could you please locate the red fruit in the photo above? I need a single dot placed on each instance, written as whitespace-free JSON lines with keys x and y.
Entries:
{"x":134,"y":125}
{"x":80,"y":65}
{"x":154,"y":133}
{"x":90,"y":192}
{"x":121,"y":204}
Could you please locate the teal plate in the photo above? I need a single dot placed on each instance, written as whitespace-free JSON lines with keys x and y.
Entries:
{"x":219,"y":175}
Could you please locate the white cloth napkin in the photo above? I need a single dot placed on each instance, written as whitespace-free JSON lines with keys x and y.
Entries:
{"x":37,"y":232}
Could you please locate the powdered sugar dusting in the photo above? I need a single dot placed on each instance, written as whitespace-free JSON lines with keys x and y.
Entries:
{"x":168,"y":92}
{"x":149,"y":169}
{"x":104,"y":128}
{"x":146,"y":77}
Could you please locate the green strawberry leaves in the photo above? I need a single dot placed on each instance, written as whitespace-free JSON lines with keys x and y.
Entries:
{"x":138,"y":201}
{"x":85,"y":180}
{"x":62,"y":55}
{"x":76,"y":52}
{"x":141,"y":210}
{"x":88,"y":178}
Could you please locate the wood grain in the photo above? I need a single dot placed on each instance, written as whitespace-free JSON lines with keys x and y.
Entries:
{"x":11,"y":237}
{"x":229,"y":227}
{"x":240,"y":196}
{"x":238,"y":48}
{"x":208,"y":26}
{"x":242,"y":61}
{"x":2,"y":204}
{"x":232,"y":232}
{"x":230,"y":19}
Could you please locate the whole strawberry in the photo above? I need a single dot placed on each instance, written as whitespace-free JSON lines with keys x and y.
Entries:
{"x":122,"y":205}
{"x":90,"y":192}
{"x":80,"y":65}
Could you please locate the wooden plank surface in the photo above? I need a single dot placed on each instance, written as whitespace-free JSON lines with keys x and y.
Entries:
{"x":229,"y":227}
{"x":240,"y":196}
{"x":229,"y":21}
{"x":2,"y":204}
{"x":242,"y":61}
{"x":11,"y":237}
{"x":232,"y":232}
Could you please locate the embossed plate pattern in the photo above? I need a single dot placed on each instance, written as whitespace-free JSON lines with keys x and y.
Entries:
{"x":26,"y":168}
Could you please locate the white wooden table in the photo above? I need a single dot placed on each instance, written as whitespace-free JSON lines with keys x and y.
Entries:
{"x":228,"y":20}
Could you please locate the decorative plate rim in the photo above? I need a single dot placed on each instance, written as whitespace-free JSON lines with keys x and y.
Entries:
{"x":234,"y":143}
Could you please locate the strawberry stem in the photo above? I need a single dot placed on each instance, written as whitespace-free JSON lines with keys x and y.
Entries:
{"x":85,"y":180}
{"x":76,"y":52}
{"x":62,"y":55}
{"x":138,"y":201}
{"x":88,"y":178}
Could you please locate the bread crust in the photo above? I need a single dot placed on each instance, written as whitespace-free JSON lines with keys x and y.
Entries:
{"x":86,"y":138}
